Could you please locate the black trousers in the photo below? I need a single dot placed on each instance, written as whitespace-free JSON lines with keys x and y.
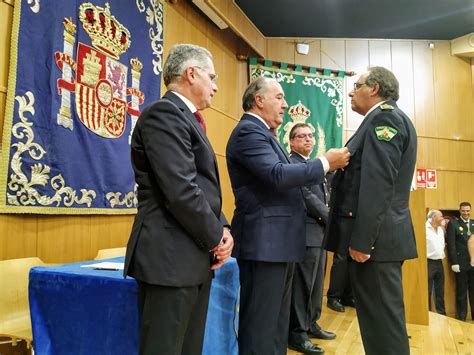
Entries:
{"x":464,"y":285}
{"x":307,"y":294}
{"x":339,"y":283}
{"x":378,"y":294}
{"x":265,"y":295}
{"x":173,"y":319}
{"x":436,"y":282}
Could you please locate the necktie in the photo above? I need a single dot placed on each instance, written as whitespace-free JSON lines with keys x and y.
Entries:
{"x":200,"y":119}
{"x":273,"y":132}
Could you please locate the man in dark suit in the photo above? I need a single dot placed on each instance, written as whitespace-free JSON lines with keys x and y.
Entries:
{"x":179,"y":226}
{"x":457,"y":237}
{"x":369,"y":215}
{"x":339,"y":293}
{"x":308,"y":278}
{"x":269,"y":218}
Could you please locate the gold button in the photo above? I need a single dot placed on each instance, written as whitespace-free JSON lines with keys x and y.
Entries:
{"x":350,"y":214}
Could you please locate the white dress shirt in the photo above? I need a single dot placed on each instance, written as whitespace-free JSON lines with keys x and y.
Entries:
{"x":434,"y":242}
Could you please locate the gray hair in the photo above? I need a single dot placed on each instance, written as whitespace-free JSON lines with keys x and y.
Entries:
{"x":431,"y":214}
{"x":388,"y":83}
{"x":182,"y":56}
{"x":257,"y":86}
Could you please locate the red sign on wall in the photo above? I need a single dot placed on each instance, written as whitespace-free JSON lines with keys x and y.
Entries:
{"x":431,"y":180}
{"x":420,"y":178}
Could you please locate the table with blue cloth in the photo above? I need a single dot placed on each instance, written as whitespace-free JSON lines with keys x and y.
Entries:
{"x":77,"y":310}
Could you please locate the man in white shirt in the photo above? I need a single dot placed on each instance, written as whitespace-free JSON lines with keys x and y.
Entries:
{"x":435,"y":253}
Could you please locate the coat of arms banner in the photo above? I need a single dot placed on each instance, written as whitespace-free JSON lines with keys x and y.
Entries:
{"x":80,"y":74}
{"x":314,"y":99}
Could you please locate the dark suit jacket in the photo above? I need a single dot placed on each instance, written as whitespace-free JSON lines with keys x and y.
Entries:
{"x":316,"y":198}
{"x":179,"y":217}
{"x":269,"y":217}
{"x":457,"y":238}
{"x":369,"y":199}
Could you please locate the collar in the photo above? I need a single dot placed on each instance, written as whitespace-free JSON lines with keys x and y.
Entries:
{"x":301,"y":155}
{"x":186,"y":101}
{"x":374,"y":107}
{"x":462,"y":219}
{"x":259,"y":118}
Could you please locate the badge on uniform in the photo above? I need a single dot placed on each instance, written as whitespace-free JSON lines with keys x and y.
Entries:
{"x":387,"y":107}
{"x":385,"y":133}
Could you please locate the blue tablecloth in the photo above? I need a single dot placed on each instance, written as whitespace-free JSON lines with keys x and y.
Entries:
{"x":78,"y":310}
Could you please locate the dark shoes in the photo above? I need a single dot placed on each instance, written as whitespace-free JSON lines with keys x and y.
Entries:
{"x":306,"y":348}
{"x":322,"y":334}
{"x":335,"y":305}
{"x":348,"y":302}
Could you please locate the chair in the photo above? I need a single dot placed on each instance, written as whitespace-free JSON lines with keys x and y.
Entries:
{"x":110,"y":253}
{"x":15,"y":322}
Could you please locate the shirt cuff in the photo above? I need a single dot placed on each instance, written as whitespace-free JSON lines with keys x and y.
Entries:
{"x":325,"y":163}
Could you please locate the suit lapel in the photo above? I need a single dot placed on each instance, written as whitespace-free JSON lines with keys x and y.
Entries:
{"x":267,"y":132}
{"x":190,"y":116}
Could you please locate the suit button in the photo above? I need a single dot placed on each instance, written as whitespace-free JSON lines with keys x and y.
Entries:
{"x":373,"y":248}
{"x":319,"y":218}
{"x":350,"y":214}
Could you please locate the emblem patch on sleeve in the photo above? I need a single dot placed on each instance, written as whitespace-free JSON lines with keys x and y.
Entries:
{"x":385,"y":133}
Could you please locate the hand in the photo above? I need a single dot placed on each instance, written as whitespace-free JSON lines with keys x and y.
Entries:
{"x":223,"y":250}
{"x":358,"y":256}
{"x":337,"y":158}
{"x":455,"y":268}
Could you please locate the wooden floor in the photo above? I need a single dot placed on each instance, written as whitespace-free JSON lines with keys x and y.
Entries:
{"x":444,"y":335}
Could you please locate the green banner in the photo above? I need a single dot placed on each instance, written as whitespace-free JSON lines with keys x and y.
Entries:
{"x":313,"y":99}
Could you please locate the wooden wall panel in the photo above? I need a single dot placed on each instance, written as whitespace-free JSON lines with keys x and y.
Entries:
{"x":109,"y":232}
{"x":6,"y":14}
{"x":64,"y":239}
{"x":3,"y":99}
{"x":333,"y":54}
{"x":444,"y":85}
{"x":281,"y":50}
{"x":228,"y":205}
{"x":18,"y":236}
{"x":313,"y":58}
{"x":415,"y":272}
{"x":423,"y":90}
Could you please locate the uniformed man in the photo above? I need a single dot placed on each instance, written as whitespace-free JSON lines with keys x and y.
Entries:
{"x":459,"y":234}
{"x":369,"y":215}
{"x":308,"y":278}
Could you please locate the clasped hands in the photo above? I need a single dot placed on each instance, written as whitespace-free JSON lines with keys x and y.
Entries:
{"x":223,"y":251}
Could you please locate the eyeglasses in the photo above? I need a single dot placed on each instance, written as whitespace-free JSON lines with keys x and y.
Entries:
{"x":212,"y":76}
{"x":357,"y":86}
{"x":304,"y":136}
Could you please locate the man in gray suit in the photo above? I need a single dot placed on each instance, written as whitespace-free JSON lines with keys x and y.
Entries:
{"x":179,"y":235}
{"x":308,"y":278}
{"x":369,"y":215}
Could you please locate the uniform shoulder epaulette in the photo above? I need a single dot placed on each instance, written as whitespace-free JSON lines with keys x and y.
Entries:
{"x":387,"y":107}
